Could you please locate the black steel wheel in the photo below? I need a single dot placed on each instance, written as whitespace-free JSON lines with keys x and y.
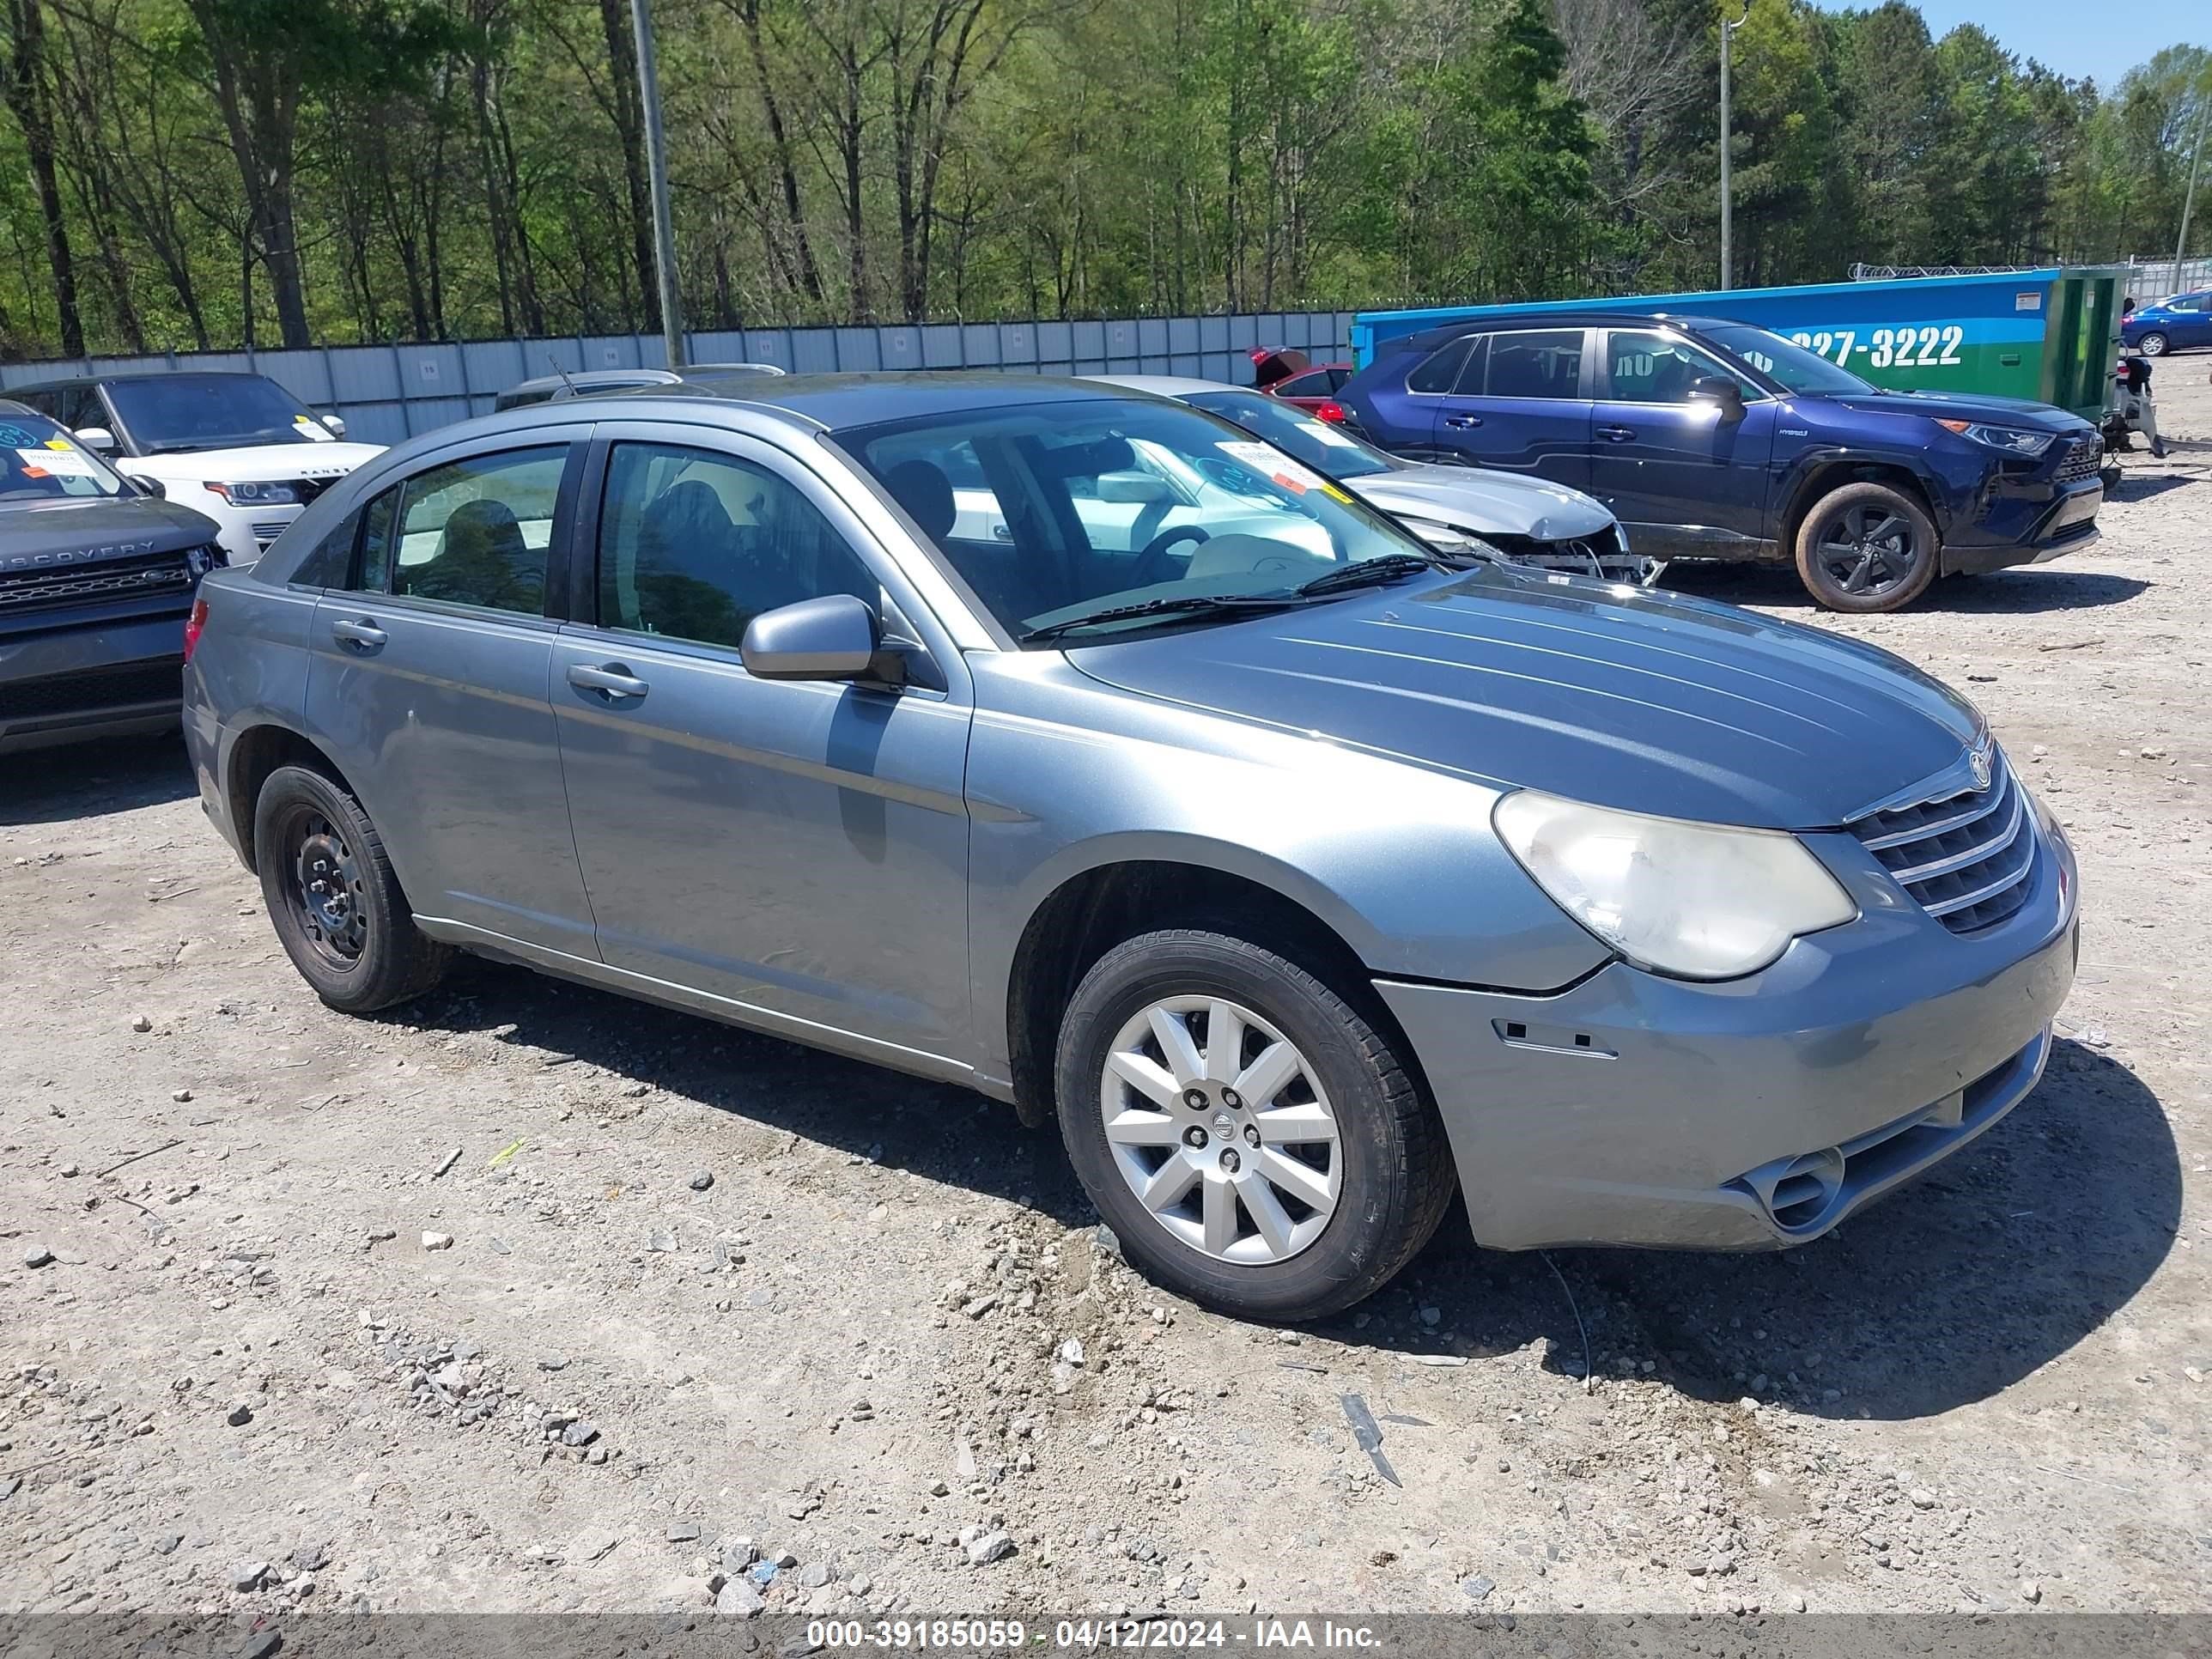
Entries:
{"x":336,"y":906}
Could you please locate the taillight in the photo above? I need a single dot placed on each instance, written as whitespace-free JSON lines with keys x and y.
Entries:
{"x":193,"y":625}
{"x":1333,"y":412}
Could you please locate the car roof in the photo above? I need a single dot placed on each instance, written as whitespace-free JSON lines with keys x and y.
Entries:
{"x":76,"y":381}
{"x":837,"y":403}
{"x":1500,"y":321}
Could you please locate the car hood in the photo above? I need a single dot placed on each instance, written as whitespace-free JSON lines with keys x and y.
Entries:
{"x":1957,"y":406}
{"x":1502,"y":503}
{"x":1641,"y":700}
{"x":92,"y":529}
{"x":255,"y":464}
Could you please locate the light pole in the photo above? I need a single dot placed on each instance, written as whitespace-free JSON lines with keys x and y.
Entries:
{"x":656,"y":164}
{"x":1728,"y":227}
{"x":2189,"y":197}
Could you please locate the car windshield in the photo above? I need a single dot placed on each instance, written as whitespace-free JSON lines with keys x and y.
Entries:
{"x":1798,"y":369}
{"x":1289,"y":429}
{"x":179,"y":412}
{"x":1054,"y":513}
{"x":40,"y":462}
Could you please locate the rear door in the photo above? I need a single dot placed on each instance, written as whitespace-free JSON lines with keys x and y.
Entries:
{"x":1520,"y":402}
{"x":1686,"y":479}
{"x":798,"y":848}
{"x":428,"y":686}
{"x":2192,"y":320}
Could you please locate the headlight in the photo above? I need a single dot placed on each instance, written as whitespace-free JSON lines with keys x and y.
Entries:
{"x":257,"y":495}
{"x":2010,"y":439}
{"x":1696,"y":901}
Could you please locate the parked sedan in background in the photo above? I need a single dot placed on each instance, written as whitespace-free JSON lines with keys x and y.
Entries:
{"x":1528,"y":520}
{"x":237,"y":447}
{"x":1302,"y":881}
{"x":96,"y":582}
{"x":2170,"y":324}
{"x":593,"y":382}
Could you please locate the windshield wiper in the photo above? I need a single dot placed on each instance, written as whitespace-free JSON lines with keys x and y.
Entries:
{"x":1186,"y":604}
{"x":1368,"y":573}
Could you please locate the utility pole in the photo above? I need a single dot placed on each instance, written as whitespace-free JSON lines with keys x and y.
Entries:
{"x":2189,"y":197}
{"x":656,"y":163}
{"x":1728,"y":206}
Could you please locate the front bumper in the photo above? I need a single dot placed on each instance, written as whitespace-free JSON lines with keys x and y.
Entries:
{"x":2024,"y":522}
{"x":1634,"y":1109}
{"x":71,"y":684}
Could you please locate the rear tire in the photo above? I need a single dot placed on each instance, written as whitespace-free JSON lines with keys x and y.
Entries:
{"x":1293,"y":1204}
{"x":2154,"y":344}
{"x":1867,"y":548}
{"x":336,"y":906}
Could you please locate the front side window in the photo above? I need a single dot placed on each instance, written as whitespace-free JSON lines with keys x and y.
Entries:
{"x":1796,"y":367}
{"x":1100,"y":503}
{"x":39,"y":461}
{"x":475,"y":532}
{"x":1647,"y":367}
{"x":1540,"y":363}
{"x":695,"y":543}
{"x":179,"y":412}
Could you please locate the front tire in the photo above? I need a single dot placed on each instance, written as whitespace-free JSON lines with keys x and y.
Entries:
{"x":330,"y":892}
{"x":1256,"y":1144}
{"x":1867,"y":548}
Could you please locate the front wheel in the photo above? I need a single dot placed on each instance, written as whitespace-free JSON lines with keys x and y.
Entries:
{"x":2154,"y":345}
{"x":1867,"y":548}
{"x":1253,"y":1141}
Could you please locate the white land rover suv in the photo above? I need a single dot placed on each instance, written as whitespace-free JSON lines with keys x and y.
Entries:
{"x":238,"y":447}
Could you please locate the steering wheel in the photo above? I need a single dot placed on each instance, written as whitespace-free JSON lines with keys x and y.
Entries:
{"x":1152,"y":563}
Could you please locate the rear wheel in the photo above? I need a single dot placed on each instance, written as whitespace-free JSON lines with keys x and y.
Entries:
{"x":2154,"y":345}
{"x":1254,"y":1143}
{"x":337,"y":907}
{"x":1867,"y":547}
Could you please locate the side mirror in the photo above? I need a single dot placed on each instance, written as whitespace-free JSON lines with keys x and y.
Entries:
{"x":335,"y":424}
{"x":1132,"y":488}
{"x":145,"y":485}
{"x":99,"y":438}
{"x":836,"y":637}
{"x":1721,"y":389}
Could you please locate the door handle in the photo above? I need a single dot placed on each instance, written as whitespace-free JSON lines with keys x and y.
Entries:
{"x":1616,"y":434}
{"x":1463,"y":422}
{"x":613,"y":681}
{"x":362,"y":636}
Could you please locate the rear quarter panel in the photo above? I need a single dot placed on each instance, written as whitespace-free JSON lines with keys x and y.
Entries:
{"x":249,"y":669}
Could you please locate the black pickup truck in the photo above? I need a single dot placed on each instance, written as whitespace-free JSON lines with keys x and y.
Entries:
{"x":97,"y":579}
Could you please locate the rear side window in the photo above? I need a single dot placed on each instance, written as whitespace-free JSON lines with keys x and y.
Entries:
{"x":477,"y":531}
{"x":1315,"y":385}
{"x":1540,"y":363}
{"x":1439,"y":372}
{"x":329,"y":563}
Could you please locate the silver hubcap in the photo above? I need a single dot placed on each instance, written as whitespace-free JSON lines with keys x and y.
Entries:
{"x":1221,"y":1130}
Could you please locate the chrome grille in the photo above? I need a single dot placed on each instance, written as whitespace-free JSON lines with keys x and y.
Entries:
{"x":1964,"y":855}
{"x":2082,"y":461}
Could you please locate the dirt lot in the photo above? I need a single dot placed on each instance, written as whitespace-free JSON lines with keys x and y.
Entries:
{"x":245,"y":1378}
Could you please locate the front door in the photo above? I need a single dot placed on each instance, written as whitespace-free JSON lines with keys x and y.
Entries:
{"x":1519,"y":405}
{"x":794,"y":852}
{"x":1686,"y":479}
{"x":427,"y":684}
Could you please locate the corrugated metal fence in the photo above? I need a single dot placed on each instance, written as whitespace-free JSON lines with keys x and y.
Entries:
{"x":389,"y":393}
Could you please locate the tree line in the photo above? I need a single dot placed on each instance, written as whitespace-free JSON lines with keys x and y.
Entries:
{"x":201,"y":173}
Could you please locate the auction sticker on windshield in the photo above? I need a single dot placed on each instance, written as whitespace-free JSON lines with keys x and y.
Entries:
{"x":1272,"y":463}
{"x":46,"y":461}
{"x":310,"y":428}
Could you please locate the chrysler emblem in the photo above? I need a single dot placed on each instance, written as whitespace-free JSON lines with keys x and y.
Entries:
{"x":1979,"y":762}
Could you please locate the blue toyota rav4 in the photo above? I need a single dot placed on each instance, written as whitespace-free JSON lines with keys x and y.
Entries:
{"x":1715,"y":439}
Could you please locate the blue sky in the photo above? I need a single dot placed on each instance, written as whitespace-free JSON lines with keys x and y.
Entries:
{"x":2073,"y":37}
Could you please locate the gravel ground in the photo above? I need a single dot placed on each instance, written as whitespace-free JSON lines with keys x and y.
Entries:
{"x":525,"y":1297}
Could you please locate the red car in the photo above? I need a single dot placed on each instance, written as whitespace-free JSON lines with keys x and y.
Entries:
{"x":1289,"y":375}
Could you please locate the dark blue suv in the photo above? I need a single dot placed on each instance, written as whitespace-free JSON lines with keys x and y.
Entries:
{"x":1715,"y":439}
